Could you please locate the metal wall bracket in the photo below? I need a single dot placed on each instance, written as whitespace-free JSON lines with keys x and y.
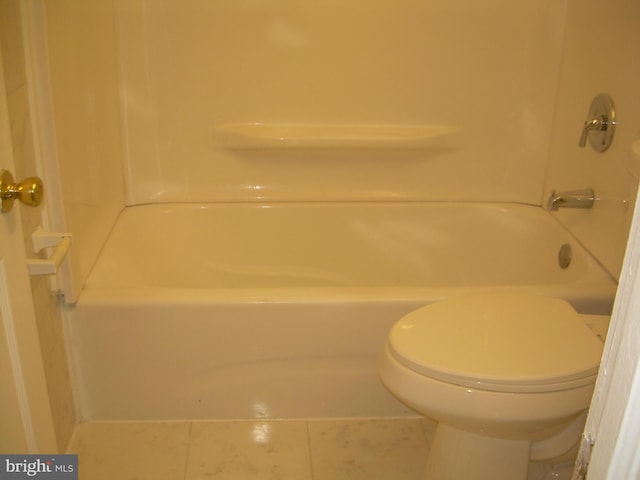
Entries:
{"x":61,"y":242}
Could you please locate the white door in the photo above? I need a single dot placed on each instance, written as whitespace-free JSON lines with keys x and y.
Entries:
{"x":26,"y":424}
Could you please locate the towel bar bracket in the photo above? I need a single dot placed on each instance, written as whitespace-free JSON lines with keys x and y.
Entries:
{"x":61,"y":242}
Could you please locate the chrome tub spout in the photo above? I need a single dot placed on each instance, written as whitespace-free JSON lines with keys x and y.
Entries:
{"x":573,"y":199}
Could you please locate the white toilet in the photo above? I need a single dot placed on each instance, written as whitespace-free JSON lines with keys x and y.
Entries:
{"x":508,"y":377}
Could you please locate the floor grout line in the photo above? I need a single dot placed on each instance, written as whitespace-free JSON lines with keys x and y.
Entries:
{"x":310,"y":450}
{"x":186,"y":460}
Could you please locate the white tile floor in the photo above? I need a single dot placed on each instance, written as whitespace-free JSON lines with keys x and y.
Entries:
{"x":352,"y":449}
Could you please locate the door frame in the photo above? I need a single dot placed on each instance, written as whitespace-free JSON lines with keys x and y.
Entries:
{"x":27,"y":380}
{"x":614,"y":417}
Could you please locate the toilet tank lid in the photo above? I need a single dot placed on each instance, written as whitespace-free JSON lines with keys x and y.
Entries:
{"x":498,"y":339}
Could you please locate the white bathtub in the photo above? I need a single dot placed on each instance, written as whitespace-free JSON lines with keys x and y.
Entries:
{"x":280,"y":310}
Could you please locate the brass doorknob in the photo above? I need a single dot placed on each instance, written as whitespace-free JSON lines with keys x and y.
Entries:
{"x":29,"y":191}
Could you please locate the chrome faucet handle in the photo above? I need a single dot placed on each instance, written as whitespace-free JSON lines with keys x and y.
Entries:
{"x":600,"y":124}
{"x":591,"y":125}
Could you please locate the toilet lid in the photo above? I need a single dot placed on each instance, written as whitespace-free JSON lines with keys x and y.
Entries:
{"x":499,"y":341}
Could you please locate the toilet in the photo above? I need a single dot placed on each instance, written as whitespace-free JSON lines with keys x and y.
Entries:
{"x":508,"y":376}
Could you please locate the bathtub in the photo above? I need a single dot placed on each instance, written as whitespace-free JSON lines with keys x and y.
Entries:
{"x":238,"y":311}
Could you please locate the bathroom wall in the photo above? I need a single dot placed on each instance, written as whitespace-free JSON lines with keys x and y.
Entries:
{"x":85,"y":98}
{"x":196,"y":76}
{"x":26,"y":156}
{"x":601,"y":48}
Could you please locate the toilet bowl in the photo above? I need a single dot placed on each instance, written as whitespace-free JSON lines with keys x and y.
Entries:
{"x":507,"y":376}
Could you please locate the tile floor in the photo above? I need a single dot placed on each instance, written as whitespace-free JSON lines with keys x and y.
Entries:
{"x":352,"y":449}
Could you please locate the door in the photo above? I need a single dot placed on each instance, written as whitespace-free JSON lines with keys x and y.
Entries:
{"x":26,"y":424}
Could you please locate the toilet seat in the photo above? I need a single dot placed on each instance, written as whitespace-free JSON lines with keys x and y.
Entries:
{"x":502,"y":342}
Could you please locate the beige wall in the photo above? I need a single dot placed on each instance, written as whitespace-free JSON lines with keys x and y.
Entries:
{"x":47,"y":306}
{"x":190,"y":70}
{"x":601,"y":49}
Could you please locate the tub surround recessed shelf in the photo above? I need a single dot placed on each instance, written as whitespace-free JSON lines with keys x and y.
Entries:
{"x":247,"y":136}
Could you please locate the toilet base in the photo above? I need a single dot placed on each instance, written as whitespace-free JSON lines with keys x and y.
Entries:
{"x":460,"y":455}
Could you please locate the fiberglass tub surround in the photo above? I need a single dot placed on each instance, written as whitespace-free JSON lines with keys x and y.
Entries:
{"x":190,"y":101}
{"x":279,"y":310}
